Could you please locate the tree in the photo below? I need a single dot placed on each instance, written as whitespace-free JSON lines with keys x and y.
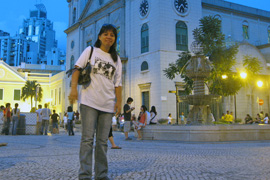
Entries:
{"x":29,"y":91}
{"x":211,"y":40}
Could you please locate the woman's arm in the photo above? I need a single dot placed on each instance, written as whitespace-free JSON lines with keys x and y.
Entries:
{"x":73,"y":95}
{"x":118,"y":94}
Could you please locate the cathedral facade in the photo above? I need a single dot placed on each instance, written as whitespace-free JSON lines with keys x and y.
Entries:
{"x":151,"y":35}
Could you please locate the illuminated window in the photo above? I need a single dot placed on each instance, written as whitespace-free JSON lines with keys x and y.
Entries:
{"x":181,"y":36}
{"x":59,"y":95}
{"x":1,"y":94}
{"x":55,"y":96}
{"x":245,"y":30}
{"x":17,"y":95}
{"x":144,"y":38}
{"x":118,"y":40}
{"x":144,"y":66}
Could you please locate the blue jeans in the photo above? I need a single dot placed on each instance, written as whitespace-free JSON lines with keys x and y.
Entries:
{"x":99,"y":121}
{"x":15,"y":121}
{"x":45,"y":124}
{"x":55,"y":125}
{"x":6,"y":126}
{"x":70,"y":127}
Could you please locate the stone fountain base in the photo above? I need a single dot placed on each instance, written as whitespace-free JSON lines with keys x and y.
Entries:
{"x":206,"y":133}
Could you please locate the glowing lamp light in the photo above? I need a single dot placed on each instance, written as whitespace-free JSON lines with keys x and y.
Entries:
{"x":260,"y":83}
{"x":224,"y":76}
{"x":243,"y":75}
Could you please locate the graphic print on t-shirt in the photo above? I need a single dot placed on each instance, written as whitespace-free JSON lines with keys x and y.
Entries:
{"x":103,"y":68}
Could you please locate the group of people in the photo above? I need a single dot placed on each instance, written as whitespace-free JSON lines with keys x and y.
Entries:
{"x":260,"y":118}
{"x":44,"y":115}
{"x":228,"y":117}
{"x":10,"y":115}
{"x":145,"y":117}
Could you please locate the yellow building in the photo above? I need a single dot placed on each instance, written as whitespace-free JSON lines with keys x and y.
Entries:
{"x":12,"y":81}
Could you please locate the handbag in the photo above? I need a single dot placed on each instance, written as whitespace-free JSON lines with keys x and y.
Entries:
{"x":84,"y":76}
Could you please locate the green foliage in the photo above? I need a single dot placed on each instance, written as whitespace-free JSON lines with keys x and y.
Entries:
{"x":179,"y":68}
{"x":211,"y":39}
{"x":252,"y":67}
{"x":29,"y":91}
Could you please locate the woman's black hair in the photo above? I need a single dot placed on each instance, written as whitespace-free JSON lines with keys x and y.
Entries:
{"x":153,"y":109}
{"x":69,"y":109}
{"x":105,"y":28}
{"x":144,"y":108}
{"x":16,"y":106}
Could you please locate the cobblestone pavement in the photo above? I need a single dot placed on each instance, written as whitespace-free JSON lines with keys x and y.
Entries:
{"x":56,"y":157}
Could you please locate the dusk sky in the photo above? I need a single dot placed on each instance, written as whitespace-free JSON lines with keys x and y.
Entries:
{"x":14,"y":11}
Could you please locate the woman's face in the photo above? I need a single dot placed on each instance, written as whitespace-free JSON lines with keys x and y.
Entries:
{"x":141,"y":109}
{"x":107,"y":38}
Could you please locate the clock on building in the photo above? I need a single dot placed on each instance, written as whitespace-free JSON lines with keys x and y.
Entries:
{"x":181,"y":6}
{"x":144,"y":7}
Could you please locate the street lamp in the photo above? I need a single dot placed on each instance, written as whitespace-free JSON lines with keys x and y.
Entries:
{"x":259,"y":83}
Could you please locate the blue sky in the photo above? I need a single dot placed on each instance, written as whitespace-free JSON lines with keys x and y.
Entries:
{"x":14,"y":11}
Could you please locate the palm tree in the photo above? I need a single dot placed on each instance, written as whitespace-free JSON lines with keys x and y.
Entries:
{"x":29,"y":91}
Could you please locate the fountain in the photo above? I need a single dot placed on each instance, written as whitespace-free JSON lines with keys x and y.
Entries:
{"x":198,"y":69}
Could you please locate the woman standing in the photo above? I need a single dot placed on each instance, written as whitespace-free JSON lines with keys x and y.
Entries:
{"x":97,"y":101}
{"x":15,"y":118}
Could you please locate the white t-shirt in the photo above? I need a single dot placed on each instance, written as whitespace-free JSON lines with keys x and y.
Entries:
{"x":45,"y":113}
{"x":39,"y":116}
{"x":65,"y":119}
{"x":17,"y":112}
{"x":153,"y":115}
{"x":105,"y":76}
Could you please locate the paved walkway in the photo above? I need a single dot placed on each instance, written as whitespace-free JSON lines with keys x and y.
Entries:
{"x":56,"y":158}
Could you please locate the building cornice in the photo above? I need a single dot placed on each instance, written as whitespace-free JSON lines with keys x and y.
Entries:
{"x":263,"y":46}
{"x":237,"y":9}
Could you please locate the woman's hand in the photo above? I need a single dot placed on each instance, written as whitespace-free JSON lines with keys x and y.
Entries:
{"x":117,"y":108}
{"x":73,"y":95}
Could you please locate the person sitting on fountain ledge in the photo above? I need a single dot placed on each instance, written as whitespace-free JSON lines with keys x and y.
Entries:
{"x":142,"y":122}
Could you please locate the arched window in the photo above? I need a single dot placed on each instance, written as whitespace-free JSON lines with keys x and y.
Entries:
{"x":245,"y":30}
{"x":72,"y":62}
{"x":181,"y":36}
{"x":144,"y":66}
{"x":217,"y":16}
{"x":74,"y":16}
{"x":268,"y":31}
{"x":144,"y":38}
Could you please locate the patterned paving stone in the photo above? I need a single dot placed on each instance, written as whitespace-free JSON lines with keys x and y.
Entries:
{"x":56,"y":157}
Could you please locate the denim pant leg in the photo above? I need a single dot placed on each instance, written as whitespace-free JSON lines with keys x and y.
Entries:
{"x":102,"y":132}
{"x":42,"y":126}
{"x":7,"y":126}
{"x":15,"y":122}
{"x":46,"y":126}
{"x":88,"y":119}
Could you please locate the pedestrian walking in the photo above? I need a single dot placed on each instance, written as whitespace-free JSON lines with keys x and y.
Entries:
{"x":65,"y":122}
{"x":98,"y":101}
{"x":127,"y":117}
{"x":15,"y":118}
{"x":55,"y":118}
{"x":39,"y":120}
{"x":45,"y":113}
{"x":70,"y":117}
